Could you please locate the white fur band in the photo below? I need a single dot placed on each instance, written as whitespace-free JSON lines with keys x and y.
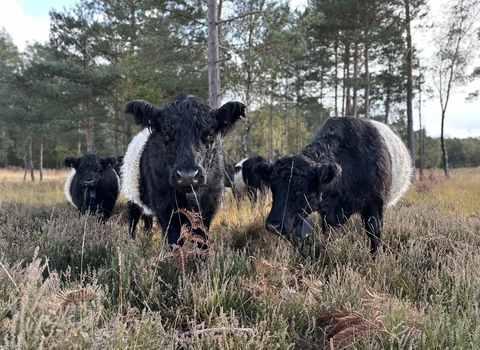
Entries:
{"x":130,"y":170}
{"x":68,"y":185}
{"x":401,"y":162}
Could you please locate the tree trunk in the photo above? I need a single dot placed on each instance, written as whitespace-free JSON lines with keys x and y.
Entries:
{"x":127,"y":125}
{"x":422,"y":134}
{"x":388,"y":94}
{"x":297,"y":115}
{"x":446,"y":166}
{"x":335,"y":80}
{"x":270,"y":127}
{"x":89,"y":134}
{"x":285,"y":126}
{"x":410,"y":133}
{"x":367,"y":71}
{"x":213,"y":56}
{"x":355,"y":78}
{"x":245,"y":137}
{"x":117,"y":128}
{"x":30,"y":160}
{"x":348,"y":99}
{"x":25,"y":163}
{"x":40,"y":162}
{"x":248,"y":89}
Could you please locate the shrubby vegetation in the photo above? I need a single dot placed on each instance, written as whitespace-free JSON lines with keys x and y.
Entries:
{"x":70,"y":282}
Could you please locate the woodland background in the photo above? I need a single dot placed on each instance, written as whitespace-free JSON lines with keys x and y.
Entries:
{"x":293,"y":68}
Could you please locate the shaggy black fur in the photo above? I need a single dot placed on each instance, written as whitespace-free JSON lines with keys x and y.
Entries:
{"x":346,"y":169}
{"x":95,"y":186}
{"x":184,"y":153}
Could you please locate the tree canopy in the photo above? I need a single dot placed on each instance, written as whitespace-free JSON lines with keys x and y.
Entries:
{"x":293,"y":68}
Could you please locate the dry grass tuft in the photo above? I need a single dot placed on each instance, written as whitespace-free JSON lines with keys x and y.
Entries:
{"x":346,"y":327}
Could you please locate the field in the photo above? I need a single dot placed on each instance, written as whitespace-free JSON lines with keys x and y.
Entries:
{"x":68,"y":282}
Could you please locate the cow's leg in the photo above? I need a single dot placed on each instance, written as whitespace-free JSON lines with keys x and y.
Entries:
{"x":147,"y":222}
{"x":170,"y":224}
{"x":252,"y":194}
{"x":134,"y":213}
{"x":373,"y":219}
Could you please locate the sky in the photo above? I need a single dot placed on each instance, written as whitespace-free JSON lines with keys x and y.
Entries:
{"x":28,"y":21}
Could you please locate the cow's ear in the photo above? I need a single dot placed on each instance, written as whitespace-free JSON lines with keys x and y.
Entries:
{"x":263,"y":170}
{"x":71,"y":162}
{"x":228,"y":115}
{"x":146,"y":114}
{"x":108,"y":162}
{"x":326,"y":174}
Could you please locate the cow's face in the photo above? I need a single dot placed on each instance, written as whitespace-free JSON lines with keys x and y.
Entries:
{"x":297,"y":188}
{"x":90,"y":168}
{"x":190,"y":134}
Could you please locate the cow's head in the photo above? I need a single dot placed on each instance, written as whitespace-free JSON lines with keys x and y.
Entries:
{"x":297,"y":185}
{"x":90,"y":168}
{"x":190,"y":132}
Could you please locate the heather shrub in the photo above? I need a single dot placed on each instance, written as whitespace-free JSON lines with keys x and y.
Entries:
{"x":67,"y":281}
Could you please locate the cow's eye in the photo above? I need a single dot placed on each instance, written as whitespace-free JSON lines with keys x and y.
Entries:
{"x":209,"y":136}
{"x":166,"y":136}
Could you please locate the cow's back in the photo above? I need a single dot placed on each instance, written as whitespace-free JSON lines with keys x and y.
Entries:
{"x":357,"y":146}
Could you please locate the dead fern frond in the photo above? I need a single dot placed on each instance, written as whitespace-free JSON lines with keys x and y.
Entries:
{"x":345,"y":327}
{"x":268,"y":278}
{"x":72,"y":296}
{"x":184,"y":256}
{"x":4,"y":325}
{"x":195,"y":218}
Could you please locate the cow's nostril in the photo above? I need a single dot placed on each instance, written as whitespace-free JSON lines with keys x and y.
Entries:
{"x":88,"y":182}
{"x":187,"y":178}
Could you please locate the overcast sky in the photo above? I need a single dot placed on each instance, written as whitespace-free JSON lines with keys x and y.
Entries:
{"x":28,"y":21}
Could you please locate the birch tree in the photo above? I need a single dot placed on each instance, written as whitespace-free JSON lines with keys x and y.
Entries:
{"x":456,"y":44}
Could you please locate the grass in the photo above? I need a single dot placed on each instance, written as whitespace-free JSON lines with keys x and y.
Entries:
{"x":68,"y":282}
{"x":49,"y":191}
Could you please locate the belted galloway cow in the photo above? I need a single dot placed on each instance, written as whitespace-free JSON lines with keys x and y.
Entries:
{"x":352,"y":166}
{"x":176,"y":161}
{"x":92,"y":185}
{"x":247,"y":182}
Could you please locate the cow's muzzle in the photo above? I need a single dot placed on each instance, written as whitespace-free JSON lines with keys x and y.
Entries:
{"x":187,"y":178}
{"x":89,"y":183}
